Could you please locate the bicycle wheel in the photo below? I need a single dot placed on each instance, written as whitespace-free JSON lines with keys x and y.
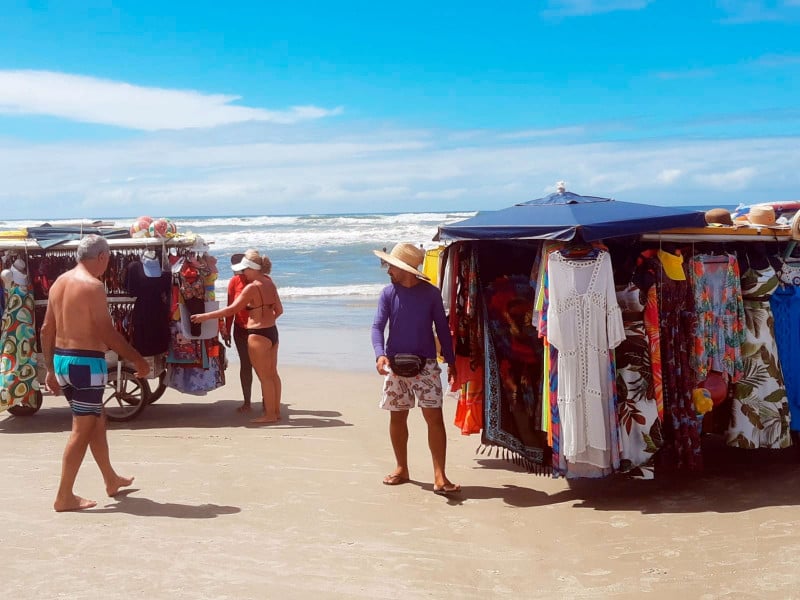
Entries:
{"x":129,"y":400}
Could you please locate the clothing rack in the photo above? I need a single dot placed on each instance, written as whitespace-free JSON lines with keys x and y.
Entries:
{"x":720,"y":234}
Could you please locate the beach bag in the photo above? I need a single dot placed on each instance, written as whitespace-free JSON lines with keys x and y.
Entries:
{"x":790,"y":273}
{"x":407,"y":365}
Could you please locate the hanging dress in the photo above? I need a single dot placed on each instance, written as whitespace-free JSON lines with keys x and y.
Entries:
{"x":720,"y":316}
{"x":785,"y":305}
{"x":677,"y":323}
{"x":584,"y":323}
{"x":639,"y":423}
{"x":760,"y":410}
{"x":18,"y":382}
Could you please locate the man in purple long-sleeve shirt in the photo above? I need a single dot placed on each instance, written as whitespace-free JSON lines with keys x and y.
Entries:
{"x":412,"y":307}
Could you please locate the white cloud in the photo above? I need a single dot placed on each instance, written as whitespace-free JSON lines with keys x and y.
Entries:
{"x":668,"y":176}
{"x":776,"y":60}
{"x":177,"y":175}
{"x":758,"y":11}
{"x":581,"y":8}
{"x":447,"y":194}
{"x":736,"y":179}
{"x":686,"y":74}
{"x":119,"y":104}
{"x":541,"y":133}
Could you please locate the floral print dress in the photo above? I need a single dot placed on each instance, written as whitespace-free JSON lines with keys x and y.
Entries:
{"x":760,"y":411}
{"x":681,"y":450}
{"x":720,"y":316}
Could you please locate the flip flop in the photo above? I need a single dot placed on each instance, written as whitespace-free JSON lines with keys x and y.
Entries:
{"x":394,"y":479}
{"x":446,"y":490}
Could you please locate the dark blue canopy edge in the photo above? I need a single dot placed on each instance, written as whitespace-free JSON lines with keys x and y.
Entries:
{"x":48,"y":236}
{"x":564,"y":215}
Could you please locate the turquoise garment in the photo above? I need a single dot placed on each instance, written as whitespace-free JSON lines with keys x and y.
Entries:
{"x":785,"y":303}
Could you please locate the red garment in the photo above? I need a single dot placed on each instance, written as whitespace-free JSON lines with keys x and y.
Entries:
{"x":235,"y":287}
{"x":469,"y":411}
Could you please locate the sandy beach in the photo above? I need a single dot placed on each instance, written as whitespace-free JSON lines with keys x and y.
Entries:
{"x":223,"y":510}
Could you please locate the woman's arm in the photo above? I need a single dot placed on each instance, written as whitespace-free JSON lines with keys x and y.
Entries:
{"x":241,"y":301}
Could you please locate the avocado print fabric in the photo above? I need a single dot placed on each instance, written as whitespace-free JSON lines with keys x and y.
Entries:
{"x":760,"y":411}
{"x":17,"y":361}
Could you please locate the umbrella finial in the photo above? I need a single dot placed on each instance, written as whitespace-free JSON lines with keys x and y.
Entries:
{"x":561,"y":187}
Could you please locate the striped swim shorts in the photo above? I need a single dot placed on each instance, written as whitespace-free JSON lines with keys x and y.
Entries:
{"x":82,"y":375}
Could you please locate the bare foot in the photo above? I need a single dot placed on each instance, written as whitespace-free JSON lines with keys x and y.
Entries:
{"x":244,"y":408}
{"x":121,"y":482}
{"x":265,"y":420}
{"x":74,"y":503}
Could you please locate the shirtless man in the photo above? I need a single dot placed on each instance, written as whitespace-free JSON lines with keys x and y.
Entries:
{"x":76,"y":333}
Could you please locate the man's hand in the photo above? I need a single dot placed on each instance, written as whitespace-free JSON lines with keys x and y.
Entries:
{"x":451,"y":374}
{"x":226,"y":337}
{"x":51,"y":383}
{"x":142,"y":368}
{"x":382,"y":365}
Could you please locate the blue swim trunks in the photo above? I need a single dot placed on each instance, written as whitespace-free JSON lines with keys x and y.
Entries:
{"x":82,"y":375}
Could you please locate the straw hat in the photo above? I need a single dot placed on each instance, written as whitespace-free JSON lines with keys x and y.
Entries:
{"x":795,"y":225}
{"x":761,"y":215}
{"x":719,"y":215}
{"x":404,"y":256}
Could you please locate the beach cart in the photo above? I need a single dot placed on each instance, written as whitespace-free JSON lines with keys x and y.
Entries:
{"x":126,"y":395}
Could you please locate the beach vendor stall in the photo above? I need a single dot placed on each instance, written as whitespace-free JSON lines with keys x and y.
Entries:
{"x":154,"y":274}
{"x":596,"y":337}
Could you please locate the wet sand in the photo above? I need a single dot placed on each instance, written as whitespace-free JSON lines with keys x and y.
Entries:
{"x":225,"y":510}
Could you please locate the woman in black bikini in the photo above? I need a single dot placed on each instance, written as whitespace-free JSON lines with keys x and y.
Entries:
{"x":260,"y":298}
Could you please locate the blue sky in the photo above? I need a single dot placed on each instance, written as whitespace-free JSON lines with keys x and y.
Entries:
{"x":186,"y":108}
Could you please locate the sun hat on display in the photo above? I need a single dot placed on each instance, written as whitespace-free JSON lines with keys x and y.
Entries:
{"x":151,"y":266}
{"x":761,"y":215}
{"x":795,"y":225}
{"x":718,"y":216}
{"x":16,"y":273}
{"x":404,"y":256}
{"x":199,"y":246}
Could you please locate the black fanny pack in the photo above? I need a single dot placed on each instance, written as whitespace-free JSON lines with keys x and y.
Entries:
{"x":407,"y":365}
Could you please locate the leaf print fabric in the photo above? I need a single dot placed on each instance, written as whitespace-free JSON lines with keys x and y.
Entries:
{"x":760,"y":411}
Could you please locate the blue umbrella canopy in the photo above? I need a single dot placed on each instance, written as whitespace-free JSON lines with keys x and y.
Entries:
{"x":564,"y":215}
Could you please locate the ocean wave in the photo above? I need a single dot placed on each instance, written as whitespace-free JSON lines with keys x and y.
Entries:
{"x":303,"y":233}
{"x":365,"y":290}
{"x":304,"y":239}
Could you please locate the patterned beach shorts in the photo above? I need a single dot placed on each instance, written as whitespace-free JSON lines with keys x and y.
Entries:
{"x":399,"y":392}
